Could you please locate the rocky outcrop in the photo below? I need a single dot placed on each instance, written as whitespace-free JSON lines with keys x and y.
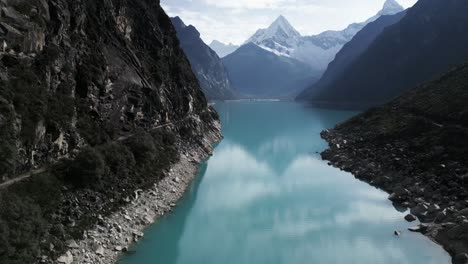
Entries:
{"x":206,"y":64}
{"x":415,"y":148}
{"x":98,"y":99}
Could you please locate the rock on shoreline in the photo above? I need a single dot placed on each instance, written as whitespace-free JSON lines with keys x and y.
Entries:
{"x":115,"y":234}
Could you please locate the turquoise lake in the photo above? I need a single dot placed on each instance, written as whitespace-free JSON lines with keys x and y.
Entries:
{"x":266,"y":197}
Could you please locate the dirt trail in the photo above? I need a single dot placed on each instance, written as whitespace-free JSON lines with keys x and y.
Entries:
{"x":22,"y":177}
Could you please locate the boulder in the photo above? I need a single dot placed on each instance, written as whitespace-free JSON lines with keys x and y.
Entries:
{"x":399,"y":194}
{"x":66,"y":259}
{"x":420,"y":210}
{"x":148,"y":219}
{"x":464,"y":212}
{"x":422,"y":228}
{"x":441,"y":216}
{"x":410,"y":218}
{"x":138,"y":234}
{"x":72,"y":244}
{"x":433,"y":208}
{"x":128,"y":218}
{"x":100,"y":251}
{"x":461,"y":258}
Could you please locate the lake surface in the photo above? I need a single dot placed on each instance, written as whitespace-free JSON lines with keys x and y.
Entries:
{"x":266,"y":197}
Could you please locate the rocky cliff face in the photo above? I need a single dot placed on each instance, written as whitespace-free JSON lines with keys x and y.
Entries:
{"x":415,"y":148}
{"x":206,"y":64}
{"x":85,"y":72}
{"x":98,"y":99}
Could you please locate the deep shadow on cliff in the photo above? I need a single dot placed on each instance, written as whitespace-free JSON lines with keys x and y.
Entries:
{"x":99,"y":94}
{"x":416,"y":148}
{"x":207,"y":66}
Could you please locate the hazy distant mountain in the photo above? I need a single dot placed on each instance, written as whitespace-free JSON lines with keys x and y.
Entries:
{"x":206,"y":64}
{"x":258,"y":73}
{"x":351,"y":51}
{"x":317,"y":51}
{"x":223,"y":49}
{"x":429,"y":40}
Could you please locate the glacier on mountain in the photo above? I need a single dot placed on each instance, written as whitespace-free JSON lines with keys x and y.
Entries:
{"x":282,"y":39}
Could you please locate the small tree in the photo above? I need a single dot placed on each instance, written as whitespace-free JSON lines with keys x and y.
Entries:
{"x":87,"y":169}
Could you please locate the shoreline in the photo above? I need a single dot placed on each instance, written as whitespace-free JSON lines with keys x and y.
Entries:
{"x":440,"y":225}
{"x":114,"y":235}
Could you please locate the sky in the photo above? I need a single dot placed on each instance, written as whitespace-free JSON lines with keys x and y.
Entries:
{"x":236,"y":20}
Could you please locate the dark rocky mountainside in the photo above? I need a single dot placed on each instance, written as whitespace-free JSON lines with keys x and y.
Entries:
{"x":416,"y":148}
{"x":258,"y":73}
{"x":206,"y":64}
{"x":350,"y":51}
{"x":99,"y":99}
{"x":429,"y":40}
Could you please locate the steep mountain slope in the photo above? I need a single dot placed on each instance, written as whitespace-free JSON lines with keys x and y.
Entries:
{"x":258,"y":73}
{"x":351,"y":50}
{"x":318,"y":50}
{"x":430,"y":39}
{"x":415,"y":148}
{"x":223,"y":49}
{"x":98,"y":99}
{"x":206,"y":64}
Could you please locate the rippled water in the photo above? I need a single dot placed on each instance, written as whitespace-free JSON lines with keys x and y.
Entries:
{"x":266,"y":197}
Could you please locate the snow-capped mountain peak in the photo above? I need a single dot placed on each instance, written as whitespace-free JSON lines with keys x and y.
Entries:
{"x":280,"y":37}
{"x":280,"y":31}
{"x":282,"y":25}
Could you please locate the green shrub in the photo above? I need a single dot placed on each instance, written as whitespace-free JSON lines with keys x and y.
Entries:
{"x":142,"y":146}
{"x":22,"y":227}
{"x":118,"y":158}
{"x":29,"y":100}
{"x":87,"y":169}
{"x":44,"y":189}
{"x":60,"y":111}
{"x":90,"y":130}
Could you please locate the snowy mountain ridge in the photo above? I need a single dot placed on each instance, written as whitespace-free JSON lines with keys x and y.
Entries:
{"x":319,"y":50}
